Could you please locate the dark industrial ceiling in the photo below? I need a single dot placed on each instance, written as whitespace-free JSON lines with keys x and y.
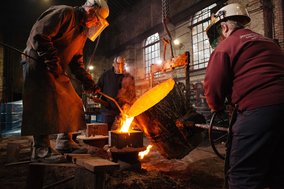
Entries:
{"x":115,"y":6}
{"x":23,"y":13}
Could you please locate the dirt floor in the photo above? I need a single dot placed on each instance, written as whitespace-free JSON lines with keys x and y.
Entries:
{"x":200,"y":169}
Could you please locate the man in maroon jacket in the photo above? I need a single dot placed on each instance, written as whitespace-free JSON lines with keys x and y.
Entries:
{"x":248,"y":70}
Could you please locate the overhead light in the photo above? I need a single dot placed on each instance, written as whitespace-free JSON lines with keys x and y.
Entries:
{"x":176,"y":42}
{"x":159,"y":61}
{"x":91,"y":67}
{"x":127,"y":68}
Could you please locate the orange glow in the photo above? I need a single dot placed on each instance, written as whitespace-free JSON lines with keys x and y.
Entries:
{"x":151,"y":98}
{"x":145,"y":152}
{"x":126,"y":124}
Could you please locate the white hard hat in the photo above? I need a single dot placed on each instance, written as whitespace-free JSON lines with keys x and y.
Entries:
{"x":234,"y":11}
{"x":103,"y":10}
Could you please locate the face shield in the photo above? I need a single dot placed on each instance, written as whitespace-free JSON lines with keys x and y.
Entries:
{"x":235,"y":11}
{"x":95,"y":31}
{"x":214,"y":33}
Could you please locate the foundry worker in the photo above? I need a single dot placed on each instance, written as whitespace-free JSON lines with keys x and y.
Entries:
{"x":118,"y":84}
{"x":56,"y":41}
{"x":248,"y":69}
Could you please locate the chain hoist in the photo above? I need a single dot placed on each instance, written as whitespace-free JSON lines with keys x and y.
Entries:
{"x":165,"y":20}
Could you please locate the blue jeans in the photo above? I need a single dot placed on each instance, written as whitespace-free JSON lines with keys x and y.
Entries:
{"x":256,"y":158}
{"x":106,"y":118}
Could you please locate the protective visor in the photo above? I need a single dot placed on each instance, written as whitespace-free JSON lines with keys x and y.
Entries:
{"x":96,"y":30}
{"x":213,"y":33}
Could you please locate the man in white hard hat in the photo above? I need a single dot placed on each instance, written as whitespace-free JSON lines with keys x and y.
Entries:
{"x":56,"y":41}
{"x":248,"y":70}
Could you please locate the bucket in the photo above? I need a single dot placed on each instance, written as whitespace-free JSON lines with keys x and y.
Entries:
{"x":158,"y":124}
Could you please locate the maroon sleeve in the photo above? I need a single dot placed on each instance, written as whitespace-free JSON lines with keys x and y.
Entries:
{"x":217,"y":80}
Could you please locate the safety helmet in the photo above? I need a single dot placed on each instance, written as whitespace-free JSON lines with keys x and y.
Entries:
{"x":233,"y":11}
{"x":102,"y":12}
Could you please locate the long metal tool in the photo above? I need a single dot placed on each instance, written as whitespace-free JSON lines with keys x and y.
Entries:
{"x":103,"y":102}
{"x":205,"y":126}
{"x":112,"y":99}
{"x":17,"y":50}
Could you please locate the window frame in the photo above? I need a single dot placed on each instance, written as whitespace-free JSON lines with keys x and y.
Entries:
{"x":201,"y":48}
{"x":151,"y":52}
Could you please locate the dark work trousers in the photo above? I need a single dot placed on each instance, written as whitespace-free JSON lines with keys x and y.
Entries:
{"x":106,"y":118}
{"x":256,"y":158}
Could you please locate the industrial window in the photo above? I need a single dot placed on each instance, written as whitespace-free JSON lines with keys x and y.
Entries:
{"x":151,"y":52}
{"x":200,"y":43}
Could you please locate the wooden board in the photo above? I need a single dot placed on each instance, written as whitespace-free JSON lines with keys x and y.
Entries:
{"x":73,"y":157}
{"x":97,"y":164}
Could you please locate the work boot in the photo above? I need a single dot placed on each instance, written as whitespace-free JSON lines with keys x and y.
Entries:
{"x":65,"y":144}
{"x":40,"y":152}
{"x":41,"y":147}
{"x":54,"y":158}
{"x":44,"y":154}
{"x":62,"y":143}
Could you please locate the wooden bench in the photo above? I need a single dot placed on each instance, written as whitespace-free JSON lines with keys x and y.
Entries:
{"x":90,"y":171}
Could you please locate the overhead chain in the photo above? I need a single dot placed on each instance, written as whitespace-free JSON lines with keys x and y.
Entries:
{"x":165,"y":9}
{"x":165,"y":19}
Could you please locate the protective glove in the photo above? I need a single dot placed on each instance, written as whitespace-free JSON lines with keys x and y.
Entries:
{"x":180,"y":123}
{"x":53,"y":65}
{"x":91,"y":88}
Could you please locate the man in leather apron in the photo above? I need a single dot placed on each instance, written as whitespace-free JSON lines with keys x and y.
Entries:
{"x":50,"y":102}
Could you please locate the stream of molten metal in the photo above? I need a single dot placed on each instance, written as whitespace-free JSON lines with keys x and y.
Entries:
{"x":126,"y":124}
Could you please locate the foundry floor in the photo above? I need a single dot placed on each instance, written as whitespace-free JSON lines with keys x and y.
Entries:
{"x":200,"y":169}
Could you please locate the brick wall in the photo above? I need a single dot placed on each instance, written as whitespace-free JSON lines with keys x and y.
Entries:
{"x":127,"y":34}
{"x":278,"y":22}
{"x":1,"y":70}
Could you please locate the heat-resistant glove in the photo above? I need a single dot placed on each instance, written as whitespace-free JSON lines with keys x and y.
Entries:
{"x":91,"y":88}
{"x":53,"y":65}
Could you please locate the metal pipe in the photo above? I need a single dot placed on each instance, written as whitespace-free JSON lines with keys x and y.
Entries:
{"x":205,"y":126}
{"x":17,"y":50}
{"x":112,"y":99}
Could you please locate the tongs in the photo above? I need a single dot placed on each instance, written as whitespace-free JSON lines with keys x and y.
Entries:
{"x":104,"y":102}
